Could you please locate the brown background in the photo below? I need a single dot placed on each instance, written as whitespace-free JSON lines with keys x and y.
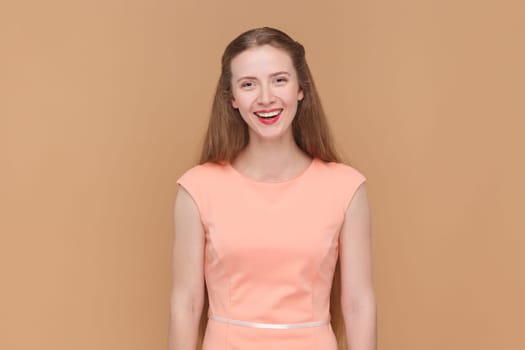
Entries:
{"x":104,"y":104}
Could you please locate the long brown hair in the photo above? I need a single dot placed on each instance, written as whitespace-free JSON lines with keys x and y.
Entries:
{"x":227,"y":133}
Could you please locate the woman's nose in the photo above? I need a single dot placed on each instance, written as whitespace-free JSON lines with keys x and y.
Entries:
{"x":266,"y":95}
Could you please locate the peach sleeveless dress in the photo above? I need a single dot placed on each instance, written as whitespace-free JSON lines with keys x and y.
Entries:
{"x":270,"y":254}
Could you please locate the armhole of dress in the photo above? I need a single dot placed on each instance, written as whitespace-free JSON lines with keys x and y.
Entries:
{"x":355,"y":185}
{"x":195,"y":196}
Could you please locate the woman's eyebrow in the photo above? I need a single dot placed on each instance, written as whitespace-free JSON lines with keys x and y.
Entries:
{"x":279,"y":73}
{"x":271,"y":75}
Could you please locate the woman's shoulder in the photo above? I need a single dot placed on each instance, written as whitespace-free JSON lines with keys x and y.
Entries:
{"x":202,"y":172}
{"x":342,"y":170}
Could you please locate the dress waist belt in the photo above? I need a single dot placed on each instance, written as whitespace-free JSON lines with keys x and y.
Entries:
{"x":268,"y":325}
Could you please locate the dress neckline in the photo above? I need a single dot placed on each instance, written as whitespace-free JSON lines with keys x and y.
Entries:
{"x":275,"y":183}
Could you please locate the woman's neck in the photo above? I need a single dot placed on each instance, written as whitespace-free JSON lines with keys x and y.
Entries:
{"x":271,"y":160}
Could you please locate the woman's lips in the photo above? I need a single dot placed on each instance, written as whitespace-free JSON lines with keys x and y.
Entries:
{"x":268,"y":117}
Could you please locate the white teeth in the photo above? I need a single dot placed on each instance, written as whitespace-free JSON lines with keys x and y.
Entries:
{"x":268,"y":115}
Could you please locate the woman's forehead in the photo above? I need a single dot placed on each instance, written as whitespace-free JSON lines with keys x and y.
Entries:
{"x":261,"y":60}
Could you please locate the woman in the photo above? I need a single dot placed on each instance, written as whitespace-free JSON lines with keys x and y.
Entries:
{"x":272,"y":232}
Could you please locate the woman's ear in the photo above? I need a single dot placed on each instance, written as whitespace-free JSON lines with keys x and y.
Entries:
{"x":234,"y":104}
{"x":300,"y":95}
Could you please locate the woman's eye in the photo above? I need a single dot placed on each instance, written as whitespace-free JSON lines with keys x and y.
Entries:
{"x":281,"y":80}
{"x":247,"y":84}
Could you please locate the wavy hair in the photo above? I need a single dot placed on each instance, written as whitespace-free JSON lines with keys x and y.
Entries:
{"x":227,"y":133}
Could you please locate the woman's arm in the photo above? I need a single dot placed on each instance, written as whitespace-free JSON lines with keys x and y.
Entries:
{"x":357,"y":291}
{"x":187,"y":296}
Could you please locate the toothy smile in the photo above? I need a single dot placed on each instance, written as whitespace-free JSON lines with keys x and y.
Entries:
{"x":268,"y":114}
